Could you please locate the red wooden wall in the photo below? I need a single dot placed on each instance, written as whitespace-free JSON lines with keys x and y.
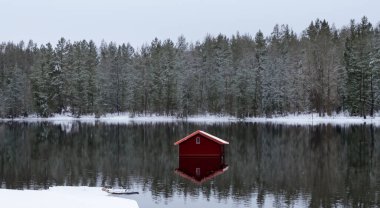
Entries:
{"x":206,"y":147}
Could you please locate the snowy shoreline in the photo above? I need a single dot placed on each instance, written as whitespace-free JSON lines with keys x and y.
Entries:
{"x":63,"y":197}
{"x":126,"y":118}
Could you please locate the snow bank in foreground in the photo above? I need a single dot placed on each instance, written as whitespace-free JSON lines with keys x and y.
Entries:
{"x":125,"y":118}
{"x":63,"y":197}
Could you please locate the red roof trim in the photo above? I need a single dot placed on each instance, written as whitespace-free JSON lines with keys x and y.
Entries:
{"x":207,"y":135}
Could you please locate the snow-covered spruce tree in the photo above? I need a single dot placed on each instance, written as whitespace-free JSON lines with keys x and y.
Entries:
{"x":15,"y":64}
{"x":181,"y":70}
{"x":77,"y":80}
{"x":159,"y":67}
{"x":114,"y":78}
{"x":217,"y":71}
{"x":188,"y":72}
{"x":2,"y":82}
{"x":243,"y":51}
{"x":224,"y":62}
{"x":91,"y":62}
{"x":197,"y":81}
{"x":168,"y":77}
{"x":139,"y":82}
{"x":274,"y":81}
{"x":260,"y":66}
{"x":117,"y":76}
{"x":163,"y":86}
{"x":102,"y":68}
{"x":80,"y":74}
{"x":128,"y":53}
{"x":59,"y":80}
{"x":375,"y":71}
{"x":4,"y":76}
{"x":42,"y":71}
{"x":296,"y":91}
{"x":294,"y":97}
{"x":14,"y":93}
{"x":359,"y":73}
{"x":120,"y":72}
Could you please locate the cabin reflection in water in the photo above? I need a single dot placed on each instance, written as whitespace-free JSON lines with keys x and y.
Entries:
{"x":201,"y":156}
{"x":201,"y":169}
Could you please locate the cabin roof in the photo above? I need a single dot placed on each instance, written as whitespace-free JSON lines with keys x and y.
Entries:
{"x":207,"y":135}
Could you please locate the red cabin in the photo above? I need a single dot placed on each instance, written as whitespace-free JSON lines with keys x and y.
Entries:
{"x":201,"y":144}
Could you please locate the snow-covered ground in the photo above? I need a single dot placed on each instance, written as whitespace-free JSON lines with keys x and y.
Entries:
{"x":63,"y":197}
{"x":125,"y":118}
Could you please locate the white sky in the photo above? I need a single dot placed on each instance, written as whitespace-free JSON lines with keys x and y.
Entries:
{"x":140,"y":21}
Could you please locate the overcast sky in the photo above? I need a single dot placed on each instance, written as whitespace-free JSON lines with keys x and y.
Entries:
{"x":140,"y":21}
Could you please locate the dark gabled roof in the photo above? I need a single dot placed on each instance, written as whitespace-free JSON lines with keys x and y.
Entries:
{"x":207,"y":135}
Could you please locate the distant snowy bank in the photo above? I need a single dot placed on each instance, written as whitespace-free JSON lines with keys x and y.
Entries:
{"x":63,"y":197}
{"x":315,"y":119}
{"x":121,"y":118}
{"x":125,"y":118}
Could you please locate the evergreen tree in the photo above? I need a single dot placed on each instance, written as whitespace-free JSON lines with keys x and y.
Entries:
{"x":91,"y":63}
{"x":359,"y":73}
{"x":43,"y":70}
{"x":14,"y":102}
{"x":140,"y":80}
{"x":274,"y":80}
{"x":243,"y":49}
{"x":58,"y":76}
{"x":169,"y":77}
{"x":259,"y":68}
{"x":375,"y":69}
{"x":184,"y":79}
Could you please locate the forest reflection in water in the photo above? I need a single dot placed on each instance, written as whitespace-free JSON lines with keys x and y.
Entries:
{"x":320,"y":165}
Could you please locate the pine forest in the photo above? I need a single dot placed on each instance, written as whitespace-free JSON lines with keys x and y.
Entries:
{"x":322,"y":70}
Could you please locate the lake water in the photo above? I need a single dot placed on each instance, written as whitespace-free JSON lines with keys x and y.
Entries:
{"x":268,"y":165}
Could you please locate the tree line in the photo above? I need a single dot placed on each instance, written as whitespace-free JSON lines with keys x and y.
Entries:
{"x":322,"y":70}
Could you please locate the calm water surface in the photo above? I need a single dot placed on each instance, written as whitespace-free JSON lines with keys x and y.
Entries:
{"x":268,"y":165}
